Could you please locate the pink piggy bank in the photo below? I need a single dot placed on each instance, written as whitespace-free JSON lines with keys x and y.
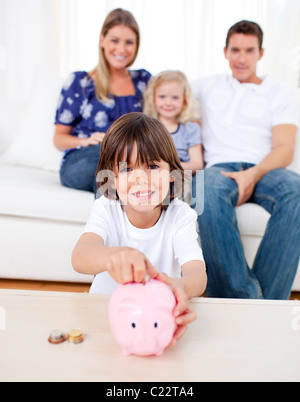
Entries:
{"x":141,"y":317}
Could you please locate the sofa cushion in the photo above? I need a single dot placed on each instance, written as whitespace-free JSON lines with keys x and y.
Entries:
{"x":252,"y":219}
{"x":38,"y":193}
{"x":32,"y":145}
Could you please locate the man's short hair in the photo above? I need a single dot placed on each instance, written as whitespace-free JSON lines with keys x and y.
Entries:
{"x":246,"y":28}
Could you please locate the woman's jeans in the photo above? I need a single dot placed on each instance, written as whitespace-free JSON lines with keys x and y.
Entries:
{"x":79,"y":169}
{"x":276,"y":262}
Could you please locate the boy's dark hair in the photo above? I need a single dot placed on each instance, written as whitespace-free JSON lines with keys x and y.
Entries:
{"x":246,"y":28}
{"x":154,"y":143}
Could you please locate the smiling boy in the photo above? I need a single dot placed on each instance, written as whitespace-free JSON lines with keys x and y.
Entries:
{"x":139,"y":228}
{"x":249,"y":128}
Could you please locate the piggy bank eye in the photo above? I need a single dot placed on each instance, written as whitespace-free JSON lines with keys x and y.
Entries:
{"x":133,"y":325}
{"x":156,"y":325}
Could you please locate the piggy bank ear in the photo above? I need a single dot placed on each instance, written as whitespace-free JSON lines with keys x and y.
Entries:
{"x":166,"y":299}
{"x":126,"y":304}
{"x":167,"y":307}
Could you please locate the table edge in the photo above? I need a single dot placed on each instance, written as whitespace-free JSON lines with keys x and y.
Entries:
{"x":195,"y":300}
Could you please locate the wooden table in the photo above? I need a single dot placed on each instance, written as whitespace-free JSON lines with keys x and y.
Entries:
{"x":232,"y":340}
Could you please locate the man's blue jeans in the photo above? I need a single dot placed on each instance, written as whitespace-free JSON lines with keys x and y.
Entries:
{"x":79,"y":169}
{"x":276,"y":262}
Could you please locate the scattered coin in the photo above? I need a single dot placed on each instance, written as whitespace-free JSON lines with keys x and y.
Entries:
{"x":75,"y":336}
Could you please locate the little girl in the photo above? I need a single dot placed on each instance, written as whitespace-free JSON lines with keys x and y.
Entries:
{"x":169,"y":99}
{"x":138,"y":229}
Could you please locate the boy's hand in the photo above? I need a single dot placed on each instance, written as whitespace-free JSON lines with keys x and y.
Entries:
{"x":127,"y":265}
{"x":182,"y":313}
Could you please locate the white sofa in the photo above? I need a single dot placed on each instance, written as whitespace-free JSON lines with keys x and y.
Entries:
{"x":40,"y":221}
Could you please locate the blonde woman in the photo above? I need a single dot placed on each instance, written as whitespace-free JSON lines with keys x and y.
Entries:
{"x":91,"y":101}
{"x":169,"y":99}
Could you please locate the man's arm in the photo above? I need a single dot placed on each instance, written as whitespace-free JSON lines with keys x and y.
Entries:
{"x":281,"y":156}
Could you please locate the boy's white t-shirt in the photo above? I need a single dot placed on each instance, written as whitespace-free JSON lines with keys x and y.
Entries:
{"x":168,"y":245}
{"x":237,"y":119}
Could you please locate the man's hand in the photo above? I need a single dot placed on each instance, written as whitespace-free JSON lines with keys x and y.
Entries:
{"x":283,"y":137}
{"x":246,"y":181}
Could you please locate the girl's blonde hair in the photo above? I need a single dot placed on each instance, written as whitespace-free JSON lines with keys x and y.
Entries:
{"x":102,"y":74}
{"x":190,"y":110}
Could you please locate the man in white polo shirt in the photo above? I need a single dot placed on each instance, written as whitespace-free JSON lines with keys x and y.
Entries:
{"x":249,"y":127}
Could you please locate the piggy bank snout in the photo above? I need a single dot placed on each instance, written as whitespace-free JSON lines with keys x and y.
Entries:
{"x":149,"y":335}
{"x":144,"y":344}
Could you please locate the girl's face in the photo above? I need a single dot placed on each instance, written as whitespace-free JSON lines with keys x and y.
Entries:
{"x":120,"y":46}
{"x":169,"y":100}
{"x":142,"y":188}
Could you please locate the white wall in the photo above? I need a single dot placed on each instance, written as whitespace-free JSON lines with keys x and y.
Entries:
{"x":62,"y":35}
